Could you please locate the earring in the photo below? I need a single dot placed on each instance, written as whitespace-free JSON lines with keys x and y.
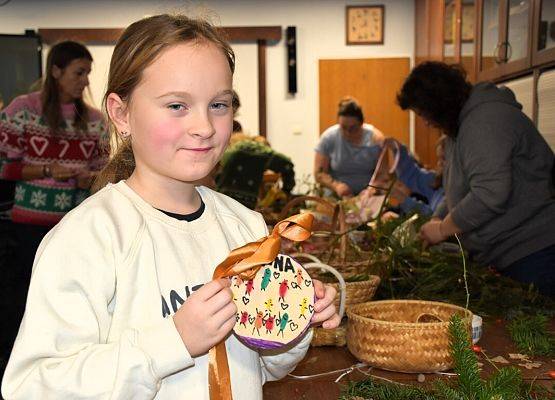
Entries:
{"x":124,"y":134}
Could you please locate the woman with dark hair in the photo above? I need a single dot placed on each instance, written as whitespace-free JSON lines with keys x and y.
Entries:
{"x":497,"y":177}
{"x":348,"y":151}
{"x":49,"y":143}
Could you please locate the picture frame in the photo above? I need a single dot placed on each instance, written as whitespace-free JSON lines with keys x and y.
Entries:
{"x":365,"y":24}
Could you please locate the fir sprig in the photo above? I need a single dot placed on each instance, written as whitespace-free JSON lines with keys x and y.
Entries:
{"x":531,"y":336}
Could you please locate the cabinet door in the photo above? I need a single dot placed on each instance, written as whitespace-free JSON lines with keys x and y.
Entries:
{"x":518,"y":41}
{"x":468,"y":37}
{"x":491,"y":50}
{"x":450,"y":32}
{"x":505,"y":40}
{"x":544,"y":32}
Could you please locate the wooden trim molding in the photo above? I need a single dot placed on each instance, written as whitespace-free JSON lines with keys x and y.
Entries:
{"x":109,"y":36}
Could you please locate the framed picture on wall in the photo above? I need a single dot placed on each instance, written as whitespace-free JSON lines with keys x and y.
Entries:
{"x":365,"y":24}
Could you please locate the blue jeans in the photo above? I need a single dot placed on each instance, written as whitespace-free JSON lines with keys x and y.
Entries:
{"x":537,"y":268}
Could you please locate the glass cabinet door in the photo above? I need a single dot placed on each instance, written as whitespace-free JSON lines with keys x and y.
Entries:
{"x":546,"y":39}
{"x":491,"y":39}
{"x":449,"y":29}
{"x":467,"y":37}
{"x":518,"y":29}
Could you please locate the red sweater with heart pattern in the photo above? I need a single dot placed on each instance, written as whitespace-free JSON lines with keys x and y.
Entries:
{"x":26,"y":139}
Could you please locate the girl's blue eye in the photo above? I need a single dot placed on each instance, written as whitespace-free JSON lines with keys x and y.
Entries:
{"x":220,"y":106}
{"x":176,"y":107}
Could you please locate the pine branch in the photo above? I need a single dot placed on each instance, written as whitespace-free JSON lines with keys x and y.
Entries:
{"x":531,"y":335}
{"x":504,"y":384}
{"x":466,"y":363}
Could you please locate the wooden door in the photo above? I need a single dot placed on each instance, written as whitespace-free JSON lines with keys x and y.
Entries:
{"x":374,"y":82}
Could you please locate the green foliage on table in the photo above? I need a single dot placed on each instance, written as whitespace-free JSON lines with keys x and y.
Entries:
{"x":531,"y":335}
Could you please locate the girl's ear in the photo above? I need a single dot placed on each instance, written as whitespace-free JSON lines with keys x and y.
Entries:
{"x":117,"y":110}
{"x":56,"y":72}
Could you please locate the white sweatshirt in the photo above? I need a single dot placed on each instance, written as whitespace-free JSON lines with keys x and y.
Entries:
{"x":105,"y":281}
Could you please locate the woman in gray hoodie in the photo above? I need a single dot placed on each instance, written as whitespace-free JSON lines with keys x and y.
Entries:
{"x":498,"y":176}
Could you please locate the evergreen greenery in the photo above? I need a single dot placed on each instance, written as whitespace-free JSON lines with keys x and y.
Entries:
{"x":531,"y":335}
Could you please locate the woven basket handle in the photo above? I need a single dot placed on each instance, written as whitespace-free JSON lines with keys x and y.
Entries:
{"x":310,"y":257}
{"x":342,"y":287}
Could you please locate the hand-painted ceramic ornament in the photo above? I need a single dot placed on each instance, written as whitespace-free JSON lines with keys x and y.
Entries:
{"x":274,"y":308}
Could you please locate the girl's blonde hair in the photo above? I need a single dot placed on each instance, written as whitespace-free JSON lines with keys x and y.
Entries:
{"x":139,"y":45}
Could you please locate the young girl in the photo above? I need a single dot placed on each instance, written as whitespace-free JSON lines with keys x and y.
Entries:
{"x":119,"y":306}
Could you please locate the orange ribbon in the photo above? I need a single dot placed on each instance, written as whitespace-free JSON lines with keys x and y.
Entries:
{"x":246,"y":261}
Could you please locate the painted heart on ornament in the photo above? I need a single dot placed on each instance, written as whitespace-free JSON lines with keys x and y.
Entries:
{"x":237,"y":317}
{"x":308,"y":282}
{"x":311,"y":308}
{"x":284,"y":306}
{"x":245,"y":300}
{"x":276,"y":275}
{"x":39,"y":144}
{"x":251,"y":320}
{"x":87,"y":147}
{"x":293,"y":326}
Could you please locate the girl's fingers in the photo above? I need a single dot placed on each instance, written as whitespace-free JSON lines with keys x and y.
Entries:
{"x":319,"y":289}
{"x":218,"y":301}
{"x":332,"y":323}
{"x":324,"y":315}
{"x":226,"y":314}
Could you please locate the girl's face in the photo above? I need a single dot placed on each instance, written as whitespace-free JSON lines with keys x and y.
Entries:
{"x":180,"y":115}
{"x":73,"y":79}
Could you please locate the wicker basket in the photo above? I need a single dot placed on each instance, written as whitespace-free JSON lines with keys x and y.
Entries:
{"x":403,"y":335}
{"x":330,"y":337}
{"x":355,"y":292}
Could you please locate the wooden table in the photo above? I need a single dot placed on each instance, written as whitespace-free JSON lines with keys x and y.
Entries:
{"x":495,"y":342}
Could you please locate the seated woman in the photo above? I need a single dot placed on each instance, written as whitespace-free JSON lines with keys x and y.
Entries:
{"x":347,"y":153}
{"x":414,"y":180}
{"x":497,"y":177}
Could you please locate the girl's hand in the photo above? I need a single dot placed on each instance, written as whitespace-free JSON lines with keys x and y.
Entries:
{"x":206,"y":317}
{"x":324,"y":309}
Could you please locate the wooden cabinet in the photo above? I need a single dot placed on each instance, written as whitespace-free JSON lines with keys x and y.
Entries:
{"x":513,"y":36}
{"x":459,"y":34}
{"x":504,"y":45}
{"x":543,"y":50}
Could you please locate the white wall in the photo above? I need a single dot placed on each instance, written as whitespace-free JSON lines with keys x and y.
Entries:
{"x":292,"y":121}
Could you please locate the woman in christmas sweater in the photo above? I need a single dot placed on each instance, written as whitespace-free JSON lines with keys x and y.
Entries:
{"x":49,"y":145}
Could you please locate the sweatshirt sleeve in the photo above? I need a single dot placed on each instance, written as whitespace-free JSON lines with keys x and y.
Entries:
{"x":62,"y":350}
{"x":485,"y":153}
{"x":278,"y":363}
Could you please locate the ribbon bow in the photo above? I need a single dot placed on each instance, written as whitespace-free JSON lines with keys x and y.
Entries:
{"x":246,"y":261}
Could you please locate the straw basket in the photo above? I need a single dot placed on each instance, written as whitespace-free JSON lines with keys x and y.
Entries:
{"x":355,"y":292}
{"x":403,"y":335}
